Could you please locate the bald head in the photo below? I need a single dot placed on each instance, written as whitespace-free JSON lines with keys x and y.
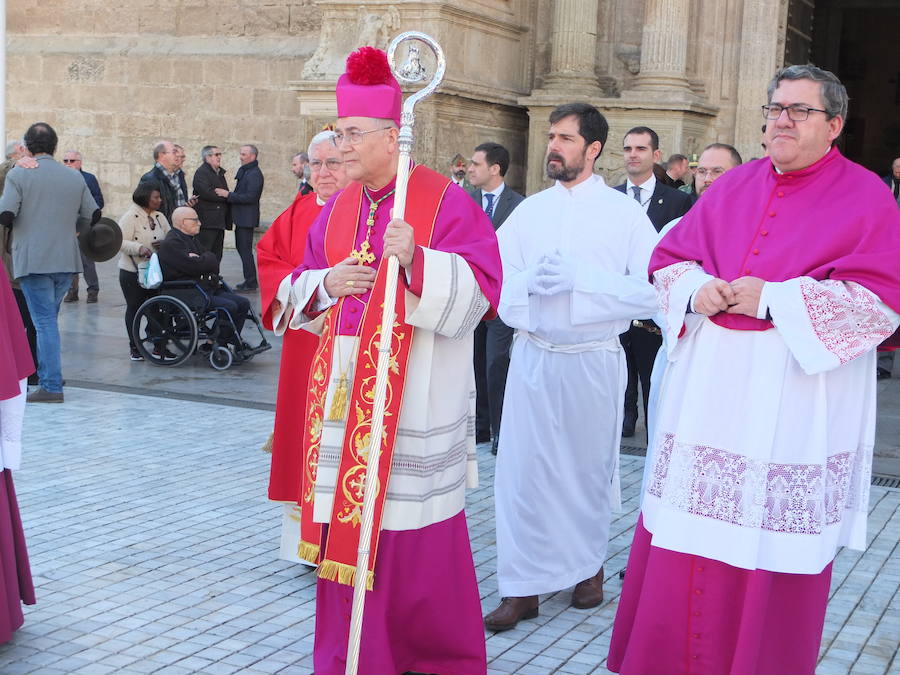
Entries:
{"x":895,"y":169}
{"x":184,"y":218}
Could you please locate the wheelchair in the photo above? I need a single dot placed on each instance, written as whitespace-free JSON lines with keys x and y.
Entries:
{"x":180,"y":321}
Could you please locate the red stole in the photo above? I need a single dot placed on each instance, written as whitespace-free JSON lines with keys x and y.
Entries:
{"x":338,"y":563}
{"x":279,"y":252}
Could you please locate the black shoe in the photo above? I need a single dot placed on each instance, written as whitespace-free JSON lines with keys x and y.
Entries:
{"x":494,"y":444}
{"x":33,"y":380}
{"x":628,"y":427}
{"x":247,"y":287}
{"x":166,"y":355}
{"x":482,"y":436}
{"x":136,"y":355}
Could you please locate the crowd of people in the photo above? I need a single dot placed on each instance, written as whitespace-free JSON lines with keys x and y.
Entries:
{"x":736,"y":297}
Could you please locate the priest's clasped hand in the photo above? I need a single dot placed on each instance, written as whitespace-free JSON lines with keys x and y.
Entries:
{"x":349,"y":278}
{"x":741,"y":296}
{"x":399,"y":241}
{"x":746,"y":296}
{"x":551,"y":276}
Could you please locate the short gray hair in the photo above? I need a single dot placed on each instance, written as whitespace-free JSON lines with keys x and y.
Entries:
{"x":252,"y":147}
{"x":319,"y":138}
{"x":12,"y":147}
{"x":207,"y":151}
{"x":834,"y":94}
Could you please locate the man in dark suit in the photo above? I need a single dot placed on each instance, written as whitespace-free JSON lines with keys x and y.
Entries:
{"x":892,"y":180}
{"x":493,"y":338}
{"x":244,"y":201}
{"x":662,"y":204}
{"x":172,"y":190}
{"x":72,"y":159}
{"x":212,"y":207}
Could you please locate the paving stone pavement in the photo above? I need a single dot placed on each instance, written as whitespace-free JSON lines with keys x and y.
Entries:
{"x":154,"y":549}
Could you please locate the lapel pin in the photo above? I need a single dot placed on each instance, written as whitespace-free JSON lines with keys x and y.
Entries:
{"x":660,"y":201}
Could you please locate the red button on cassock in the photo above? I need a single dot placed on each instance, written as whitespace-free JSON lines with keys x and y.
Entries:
{"x":771,"y":214}
{"x":756,"y":251}
{"x":353,"y":310}
{"x":698,"y":592}
{"x":781,"y":194}
{"x":747,"y":271}
{"x":696,"y":636}
{"x":764,"y":233}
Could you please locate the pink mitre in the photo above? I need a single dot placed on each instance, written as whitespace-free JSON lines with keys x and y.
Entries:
{"x":368,"y":88}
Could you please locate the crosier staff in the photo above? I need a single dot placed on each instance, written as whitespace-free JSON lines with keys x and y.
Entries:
{"x":410,"y":72}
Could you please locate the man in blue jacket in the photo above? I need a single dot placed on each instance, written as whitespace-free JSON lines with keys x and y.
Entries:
{"x":244,"y":200}
{"x":72,"y":159}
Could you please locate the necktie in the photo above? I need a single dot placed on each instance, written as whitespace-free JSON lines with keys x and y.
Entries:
{"x":489,"y":211}
{"x":896,"y":188}
{"x":637,"y":193}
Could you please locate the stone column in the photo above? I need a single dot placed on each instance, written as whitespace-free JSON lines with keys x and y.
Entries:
{"x":573,"y":45}
{"x":664,"y":46}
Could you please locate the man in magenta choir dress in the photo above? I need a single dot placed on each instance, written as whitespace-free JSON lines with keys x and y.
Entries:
{"x":776,"y":288}
{"x":423,"y":613}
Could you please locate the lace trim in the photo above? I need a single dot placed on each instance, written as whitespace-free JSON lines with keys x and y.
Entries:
{"x":665,"y":278}
{"x":845,"y":317}
{"x":733,"y":488}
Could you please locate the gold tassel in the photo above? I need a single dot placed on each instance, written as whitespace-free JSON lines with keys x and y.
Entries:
{"x":338,"y":410}
{"x":267,"y":446}
{"x":343,"y":574}
{"x":308,"y":552}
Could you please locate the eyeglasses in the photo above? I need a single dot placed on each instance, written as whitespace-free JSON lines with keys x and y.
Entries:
{"x":330,"y":164}
{"x":69,"y":161}
{"x":796,"y":112}
{"x":715,"y":172}
{"x":354,"y":137}
{"x":215,"y":154}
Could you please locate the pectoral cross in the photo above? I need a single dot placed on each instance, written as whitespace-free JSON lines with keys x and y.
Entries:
{"x":364,"y":254}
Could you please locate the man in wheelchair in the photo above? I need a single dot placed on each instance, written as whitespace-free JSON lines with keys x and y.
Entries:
{"x":183,"y":258}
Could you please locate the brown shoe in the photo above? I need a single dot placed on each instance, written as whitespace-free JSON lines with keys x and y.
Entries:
{"x":91,"y":296}
{"x":41,"y":395}
{"x":588,"y":593}
{"x":510,"y":612}
{"x":71,"y":296}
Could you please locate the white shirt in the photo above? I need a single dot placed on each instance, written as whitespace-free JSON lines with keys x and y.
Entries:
{"x":647,"y":189}
{"x":497,"y":191}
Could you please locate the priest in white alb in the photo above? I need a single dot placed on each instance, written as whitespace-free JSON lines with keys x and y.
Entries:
{"x":574,"y":276}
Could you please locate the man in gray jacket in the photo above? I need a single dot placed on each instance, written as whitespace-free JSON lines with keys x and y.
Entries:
{"x":46,"y":208}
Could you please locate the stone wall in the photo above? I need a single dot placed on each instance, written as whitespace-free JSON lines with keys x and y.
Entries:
{"x":114,"y":77}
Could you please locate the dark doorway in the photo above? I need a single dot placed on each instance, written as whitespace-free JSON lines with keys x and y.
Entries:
{"x":859,"y":40}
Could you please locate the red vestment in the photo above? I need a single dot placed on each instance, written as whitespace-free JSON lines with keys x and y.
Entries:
{"x":279,"y":251}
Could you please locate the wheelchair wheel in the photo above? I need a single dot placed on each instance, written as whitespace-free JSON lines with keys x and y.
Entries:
{"x":221,"y":357}
{"x":164,"y":331}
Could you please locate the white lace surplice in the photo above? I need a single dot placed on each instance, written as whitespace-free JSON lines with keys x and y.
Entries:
{"x":763,"y":443}
{"x":12,"y":414}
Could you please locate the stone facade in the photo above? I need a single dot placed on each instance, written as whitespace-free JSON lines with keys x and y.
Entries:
{"x":115,"y":76}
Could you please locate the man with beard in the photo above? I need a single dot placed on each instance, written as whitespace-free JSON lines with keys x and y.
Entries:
{"x":574,"y":275}
{"x":280,"y":251}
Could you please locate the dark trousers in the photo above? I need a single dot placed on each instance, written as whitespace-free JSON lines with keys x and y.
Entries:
{"x":90,"y":275}
{"x":212,"y":240}
{"x":30,"y":331}
{"x":498,"y":345}
{"x":135,"y":296}
{"x":237,"y":306}
{"x":243,"y":242}
{"x":640,"y":350}
{"x":482,"y":403}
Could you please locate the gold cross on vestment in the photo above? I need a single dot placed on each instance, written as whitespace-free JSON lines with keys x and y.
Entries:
{"x":364,"y":254}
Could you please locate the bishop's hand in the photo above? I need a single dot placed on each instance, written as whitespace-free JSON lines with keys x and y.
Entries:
{"x":713,"y":297}
{"x":399,"y":240}
{"x":348,"y":277}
